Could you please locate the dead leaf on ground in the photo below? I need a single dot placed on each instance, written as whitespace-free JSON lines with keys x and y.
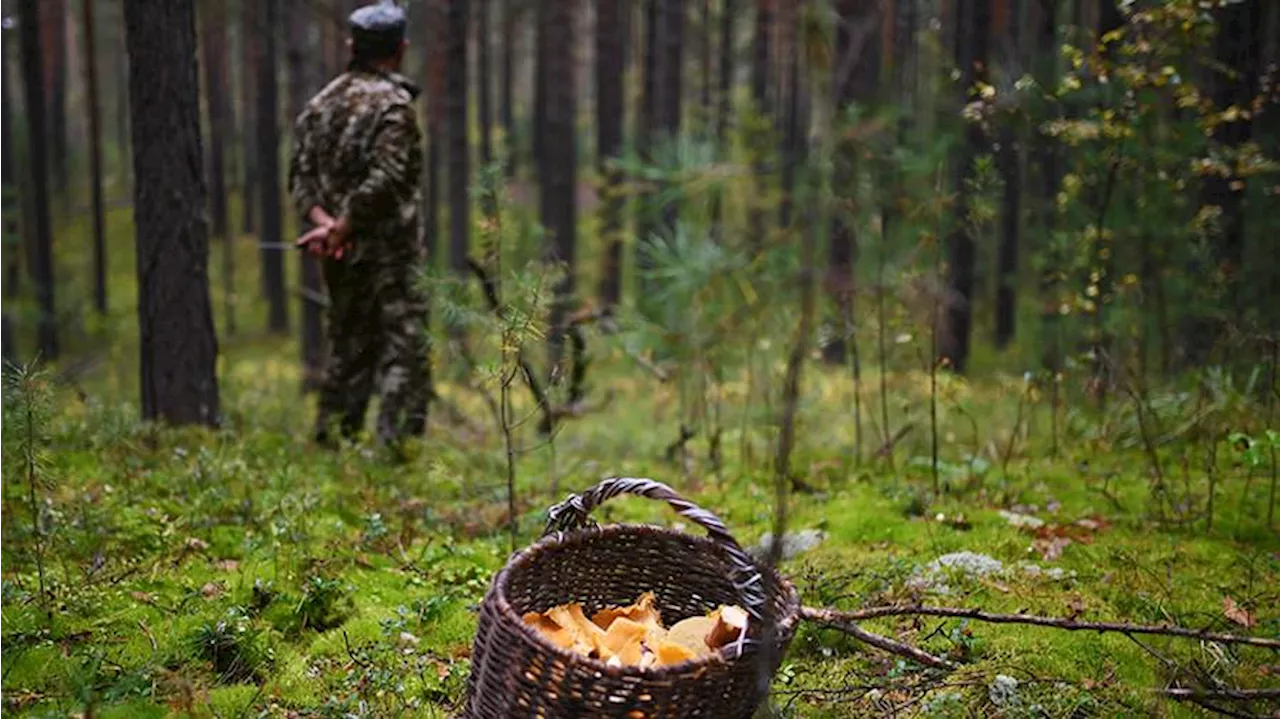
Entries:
{"x":212,"y":590}
{"x":143,"y":597}
{"x":1237,"y":613}
{"x":195,"y":544}
{"x":1050,"y":548}
{"x":227,"y":565}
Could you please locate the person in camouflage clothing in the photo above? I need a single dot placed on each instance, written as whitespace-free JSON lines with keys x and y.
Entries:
{"x":354,"y":177}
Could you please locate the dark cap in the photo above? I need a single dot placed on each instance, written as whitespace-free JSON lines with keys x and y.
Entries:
{"x":378,"y":25}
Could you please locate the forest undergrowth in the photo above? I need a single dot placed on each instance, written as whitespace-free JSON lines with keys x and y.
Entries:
{"x":242,"y":572}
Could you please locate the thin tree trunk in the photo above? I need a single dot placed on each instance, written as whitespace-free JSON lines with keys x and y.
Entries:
{"x":857,"y":85}
{"x":9,"y":213}
{"x":539,"y":82}
{"x":610,"y":85}
{"x":54,"y":44}
{"x":724,"y":97}
{"x":506,"y":98}
{"x":973,"y":26}
{"x":271,"y":237}
{"x":435,"y":58}
{"x":558,"y":173}
{"x":121,"y":70}
{"x":178,"y":345}
{"x":760,"y":56}
{"x":95,"y":162}
{"x":456,"y":105}
{"x":483,"y":84}
{"x":1010,"y":164}
{"x":249,"y":33}
{"x":301,"y":85}
{"x":646,"y":128}
{"x":39,"y":229}
{"x":1049,"y":163}
{"x":790,"y":70}
{"x":218,"y":93}
{"x":670,"y":107}
{"x":1237,"y":49}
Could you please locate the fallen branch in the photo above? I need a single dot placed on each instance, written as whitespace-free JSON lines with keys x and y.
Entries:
{"x":882,"y":642}
{"x":1242,"y":695}
{"x":886,"y":450}
{"x":832,"y":617}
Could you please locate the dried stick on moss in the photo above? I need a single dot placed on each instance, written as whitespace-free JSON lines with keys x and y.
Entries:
{"x":835,"y":618}
{"x":889,"y":645}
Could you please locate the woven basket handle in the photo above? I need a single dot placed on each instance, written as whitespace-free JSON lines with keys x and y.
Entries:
{"x":575,"y":513}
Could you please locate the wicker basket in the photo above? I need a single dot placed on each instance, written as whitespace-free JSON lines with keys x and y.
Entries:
{"x":517,"y":673}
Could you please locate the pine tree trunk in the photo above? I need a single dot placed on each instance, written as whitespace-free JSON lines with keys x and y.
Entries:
{"x":760,"y":56}
{"x":218,"y":106}
{"x":558,"y":173}
{"x":1009,"y":24}
{"x":539,"y":82}
{"x":610,"y":85}
{"x":647,"y":126}
{"x":9,"y":213}
{"x":39,"y":230}
{"x":271,"y":236}
{"x":483,"y":84}
{"x":1048,"y":162}
{"x":249,"y":42}
{"x":456,"y":106}
{"x":671,"y":90}
{"x":856,"y":73}
{"x":178,"y":346}
{"x":301,"y":85}
{"x":435,"y":58}
{"x":54,"y":44}
{"x":506,"y":100}
{"x":95,"y":162}
{"x":1238,"y":49}
{"x":973,"y":29}
{"x":790,"y":95}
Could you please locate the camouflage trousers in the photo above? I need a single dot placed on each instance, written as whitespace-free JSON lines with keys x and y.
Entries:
{"x":377,"y":339}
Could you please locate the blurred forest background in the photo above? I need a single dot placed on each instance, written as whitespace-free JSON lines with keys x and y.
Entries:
{"x":938,"y":260}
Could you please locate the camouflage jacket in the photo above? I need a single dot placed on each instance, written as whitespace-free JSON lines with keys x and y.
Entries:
{"x":357,"y":151}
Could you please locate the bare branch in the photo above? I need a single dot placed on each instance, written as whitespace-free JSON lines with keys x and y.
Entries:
{"x":833,"y":617}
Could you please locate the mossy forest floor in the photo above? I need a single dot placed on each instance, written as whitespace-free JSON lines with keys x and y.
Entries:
{"x":244,"y":573}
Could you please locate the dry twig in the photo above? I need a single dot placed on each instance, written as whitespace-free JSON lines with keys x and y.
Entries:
{"x":834,"y":618}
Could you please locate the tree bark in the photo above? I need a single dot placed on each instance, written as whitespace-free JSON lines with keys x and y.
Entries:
{"x":973,"y":29}
{"x":610,"y":85}
{"x":671,"y":89}
{"x":459,"y":149}
{"x":858,"y":84}
{"x":178,"y":346}
{"x":272,"y":235}
{"x":483,"y":84}
{"x":789,"y":76}
{"x":9,"y":213}
{"x":646,"y":128}
{"x":436,"y":57}
{"x":1009,"y":24}
{"x":760,"y":56}
{"x":1048,"y":162}
{"x":1237,"y":48}
{"x":506,"y":99}
{"x":558,"y":173}
{"x":301,"y":85}
{"x":218,"y":106}
{"x":54,"y":45}
{"x":539,"y":82}
{"x":39,"y":228}
{"x":95,"y":161}
{"x":249,"y":42}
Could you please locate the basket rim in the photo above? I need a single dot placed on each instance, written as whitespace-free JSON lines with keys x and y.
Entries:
{"x":696,"y":666}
